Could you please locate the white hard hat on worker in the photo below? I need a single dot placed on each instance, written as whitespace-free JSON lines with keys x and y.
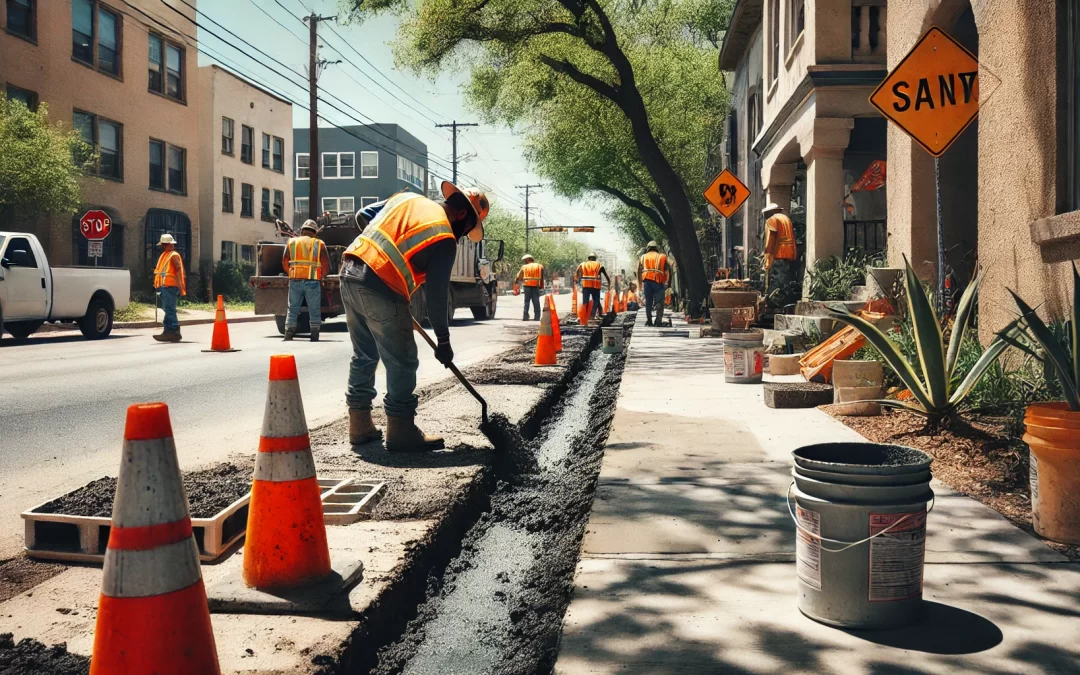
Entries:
{"x":475,"y":205}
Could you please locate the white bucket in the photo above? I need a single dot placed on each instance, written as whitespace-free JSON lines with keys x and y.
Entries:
{"x":744,"y":356}
{"x":613,"y":339}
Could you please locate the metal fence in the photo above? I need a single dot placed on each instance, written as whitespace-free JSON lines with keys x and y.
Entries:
{"x":866,"y":236}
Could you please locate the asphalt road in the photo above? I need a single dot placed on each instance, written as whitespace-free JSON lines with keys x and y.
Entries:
{"x":63,"y":398}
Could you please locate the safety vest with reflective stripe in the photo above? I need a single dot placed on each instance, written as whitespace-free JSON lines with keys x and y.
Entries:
{"x":532,"y":273}
{"x":305,"y":254}
{"x":169,"y":270}
{"x":654,"y":265}
{"x":590,"y":274}
{"x":406,"y":225}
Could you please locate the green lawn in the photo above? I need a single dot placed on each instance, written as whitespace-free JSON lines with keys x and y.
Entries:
{"x":144,"y":311}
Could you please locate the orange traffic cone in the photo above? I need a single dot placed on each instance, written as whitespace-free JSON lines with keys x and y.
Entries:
{"x":573,"y":300}
{"x":556,"y":329}
{"x":152,"y":614}
{"x":286,"y":536}
{"x":219,"y":342}
{"x":623,"y":302}
{"x":607,"y":301}
{"x":545,"y":342}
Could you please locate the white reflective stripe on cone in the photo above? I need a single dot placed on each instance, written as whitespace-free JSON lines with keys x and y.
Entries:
{"x":278,"y":467}
{"x":149,"y":491}
{"x":284,"y":412}
{"x":138,"y":574}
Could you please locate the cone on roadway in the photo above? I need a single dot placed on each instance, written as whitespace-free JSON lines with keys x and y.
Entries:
{"x":545,"y":342}
{"x":573,"y":300}
{"x":152,"y":613}
{"x":286,"y":536}
{"x":219,"y":341}
{"x":556,"y":329}
{"x":607,"y":301}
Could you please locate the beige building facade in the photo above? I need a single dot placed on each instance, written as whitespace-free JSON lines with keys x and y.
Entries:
{"x":246,"y":170}
{"x":124,"y":75}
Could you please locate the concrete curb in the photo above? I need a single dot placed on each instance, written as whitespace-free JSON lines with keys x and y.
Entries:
{"x":192,"y":322}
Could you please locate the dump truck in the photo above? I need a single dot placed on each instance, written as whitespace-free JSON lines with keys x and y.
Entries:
{"x":472,"y":282}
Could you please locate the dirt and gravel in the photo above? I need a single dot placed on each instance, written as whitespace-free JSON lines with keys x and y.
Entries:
{"x":22,"y":573}
{"x":209,"y":491}
{"x":30,"y":657}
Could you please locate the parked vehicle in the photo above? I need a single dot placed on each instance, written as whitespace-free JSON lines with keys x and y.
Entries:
{"x":32,"y":291}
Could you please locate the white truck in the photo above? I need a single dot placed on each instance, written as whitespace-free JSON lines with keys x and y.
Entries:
{"x":33,"y":292}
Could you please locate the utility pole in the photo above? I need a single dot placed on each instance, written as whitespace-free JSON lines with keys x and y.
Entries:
{"x":527,"y":188}
{"x":314,"y":165}
{"x":454,"y":127}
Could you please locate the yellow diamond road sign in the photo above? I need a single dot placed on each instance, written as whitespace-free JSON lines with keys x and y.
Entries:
{"x":933,"y":93}
{"x":727,"y":193}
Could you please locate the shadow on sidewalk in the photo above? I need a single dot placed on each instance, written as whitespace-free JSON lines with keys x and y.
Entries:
{"x":941,"y":630}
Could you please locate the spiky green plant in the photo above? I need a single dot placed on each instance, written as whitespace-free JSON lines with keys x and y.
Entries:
{"x":936,"y":395}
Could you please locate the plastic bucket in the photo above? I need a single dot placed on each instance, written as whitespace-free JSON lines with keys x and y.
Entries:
{"x":1053,"y":437}
{"x":744,"y":356}
{"x":860,"y":512}
{"x":613,"y":339}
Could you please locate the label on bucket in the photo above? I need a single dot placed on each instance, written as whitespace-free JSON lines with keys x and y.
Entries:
{"x":896,"y":557}
{"x":1033,"y":475}
{"x":807,"y":548}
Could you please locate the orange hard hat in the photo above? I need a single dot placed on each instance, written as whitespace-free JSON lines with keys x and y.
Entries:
{"x":478,"y":200}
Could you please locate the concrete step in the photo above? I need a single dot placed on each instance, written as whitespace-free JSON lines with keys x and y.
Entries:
{"x":880,"y":280}
{"x":820,"y":308}
{"x":809,"y":325}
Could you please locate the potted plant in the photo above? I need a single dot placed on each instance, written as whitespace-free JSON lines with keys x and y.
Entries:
{"x":1053,"y":429}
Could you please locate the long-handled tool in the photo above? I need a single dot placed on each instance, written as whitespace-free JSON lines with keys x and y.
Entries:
{"x":457,"y":373}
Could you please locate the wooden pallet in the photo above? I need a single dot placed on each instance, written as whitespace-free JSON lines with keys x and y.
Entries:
{"x":349,"y":500}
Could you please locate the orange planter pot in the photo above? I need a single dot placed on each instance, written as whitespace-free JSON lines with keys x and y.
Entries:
{"x":1053,"y":436}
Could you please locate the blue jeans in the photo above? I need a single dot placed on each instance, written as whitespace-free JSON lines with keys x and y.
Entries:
{"x":532,"y":296}
{"x":593,"y":294}
{"x":299,"y":290}
{"x":380,"y":328}
{"x":654,"y":298}
{"x":169,"y":296}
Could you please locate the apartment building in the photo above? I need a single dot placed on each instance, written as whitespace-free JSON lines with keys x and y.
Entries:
{"x":246,"y":169}
{"x":124,"y":75}
{"x":358,"y":165}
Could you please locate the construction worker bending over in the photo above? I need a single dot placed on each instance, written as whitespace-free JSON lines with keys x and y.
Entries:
{"x":531,"y":276}
{"x":409,"y":240}
{"x":589,"y":273}
{"x":306,"y":261}
{"x":654,"y":274}
{"x":632,"y":304}
{"x":171,"y":283}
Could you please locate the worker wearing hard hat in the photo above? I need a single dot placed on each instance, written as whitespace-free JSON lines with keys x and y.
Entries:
{"x":409,"y":240}
{"x":654,"y":275}
{"x":171,"y":283}
{"x":306,"y":262}
{"x":779,"y":236}
{"x":531,"y":276}
{"x":589,"y":273}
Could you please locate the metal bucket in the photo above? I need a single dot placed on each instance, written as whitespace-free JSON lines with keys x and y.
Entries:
{"x":613,"y":339}
{"x":744,"y":356}
{"x":860,"y":510}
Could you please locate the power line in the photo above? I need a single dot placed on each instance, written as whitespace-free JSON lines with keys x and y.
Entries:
{"x":274,"y":19}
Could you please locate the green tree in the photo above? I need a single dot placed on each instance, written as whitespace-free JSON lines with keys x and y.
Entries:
{"x":632,"y":68}
{"x":559,"y":253}
{"x":40,"y":164}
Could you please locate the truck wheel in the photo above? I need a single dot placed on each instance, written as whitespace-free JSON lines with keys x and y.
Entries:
{"x":487,"y":310}
{"x":98,"y":321}
{"x":280,"y":320}
{"x":20,"y":330}
{"x":303,"y":323}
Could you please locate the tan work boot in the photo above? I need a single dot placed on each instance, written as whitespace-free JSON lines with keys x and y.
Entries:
{"x":361,"y":428}
{"x":402,"y":435}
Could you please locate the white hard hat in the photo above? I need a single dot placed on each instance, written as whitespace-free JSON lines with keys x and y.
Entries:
{"x":309,"y":224}
{"x":525,"y":257}
{"x":772,"y":206}
{"x":652,"y":244}
{"x":166,"y":239}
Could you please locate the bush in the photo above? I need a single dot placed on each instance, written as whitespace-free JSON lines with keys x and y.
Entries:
{"x":232,"y":279}
{"x":833,"y":278}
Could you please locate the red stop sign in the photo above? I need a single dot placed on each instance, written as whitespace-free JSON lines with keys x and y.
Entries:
{"x":95,"y":225}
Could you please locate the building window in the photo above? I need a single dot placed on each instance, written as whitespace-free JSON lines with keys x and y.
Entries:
{"x":157,"y":165}
{"x":95,"y":36}
{"x":22,"y":18}
{"x":247,"y":253}
{"x":247,"y":144}
{"x":367,"y":201}
{"x":410,"y":172}
{"x":247,"y":197}
{"x":279,"y":204}
{"x":1068,"y":85}
{"x":774,"y":38}
{"x":177,"y":170}
{"x":303,"y":166}
{"x":25,"y":96}
{"x":369,"y":164}
{"x":166,"y":67}
{"x":226,"y":195}
{"x":874,"y":38}
{"x":796,"y":20}
{"x":266,"y":151}
{"x":227,"y":126}
{"x":107,"y":138}
{"x":300,"y":206}
{"x":265,"y":213}
{"x":339,"y":205}
{"x":279,"y":154}
{"x":229,"y":251}
{"x":338,"y":165}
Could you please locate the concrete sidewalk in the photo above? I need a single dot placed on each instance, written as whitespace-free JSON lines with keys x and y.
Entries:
{"x":688,"y":561}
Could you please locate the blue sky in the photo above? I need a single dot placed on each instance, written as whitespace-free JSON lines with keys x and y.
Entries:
{"x":498,"y":163}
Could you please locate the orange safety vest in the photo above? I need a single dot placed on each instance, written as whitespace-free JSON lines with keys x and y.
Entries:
{"x":590,"y":274}
{"x":654,"y":265}
{"x":170,"y":271}
{"x":305,"y":258}
{"x":532,"y":273}
{"x":407,"y":224}
{"x":780,"y":238}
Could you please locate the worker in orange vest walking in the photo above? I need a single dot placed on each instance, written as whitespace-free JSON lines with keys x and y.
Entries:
{"x":409,"y":240}
{"x":654,"y":274}
{"x":306,"y":262}
{"x":589,"y":273}
{"x":531,"y":276}
{"x":171,"y":283}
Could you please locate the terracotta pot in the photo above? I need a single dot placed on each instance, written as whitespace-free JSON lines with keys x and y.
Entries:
{"x":1053,"y":436}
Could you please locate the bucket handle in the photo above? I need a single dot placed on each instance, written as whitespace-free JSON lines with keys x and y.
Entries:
{"x":846,"y":544}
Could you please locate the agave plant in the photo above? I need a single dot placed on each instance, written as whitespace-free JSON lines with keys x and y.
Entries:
{"x":1057,"y":353}
{"x":937,"y":394}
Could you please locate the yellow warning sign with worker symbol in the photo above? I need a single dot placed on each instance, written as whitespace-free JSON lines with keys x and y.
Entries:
{"x":727,"y":193}
{"x":933,"y":93}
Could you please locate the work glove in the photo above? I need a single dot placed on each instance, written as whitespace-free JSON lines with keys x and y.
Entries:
{"x":443,"y":352}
